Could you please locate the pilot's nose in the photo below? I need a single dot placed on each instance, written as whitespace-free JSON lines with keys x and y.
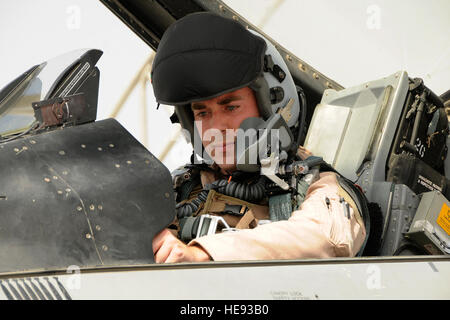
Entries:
{"x":222,"y":123}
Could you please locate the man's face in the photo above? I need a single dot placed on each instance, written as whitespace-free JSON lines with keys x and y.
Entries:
{"x":218,"y":119}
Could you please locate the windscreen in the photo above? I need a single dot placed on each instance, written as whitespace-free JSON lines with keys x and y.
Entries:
{"x":16,"y":112}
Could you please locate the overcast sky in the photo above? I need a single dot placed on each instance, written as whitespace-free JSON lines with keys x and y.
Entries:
{"x":350,"y":41}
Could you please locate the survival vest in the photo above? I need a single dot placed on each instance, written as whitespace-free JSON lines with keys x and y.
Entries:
{"x":203,"y":209}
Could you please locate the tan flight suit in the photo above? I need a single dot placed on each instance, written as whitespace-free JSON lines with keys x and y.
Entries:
{"x":319,"y":229}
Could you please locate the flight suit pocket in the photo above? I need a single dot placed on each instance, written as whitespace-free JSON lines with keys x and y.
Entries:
{"x":340,"y":234}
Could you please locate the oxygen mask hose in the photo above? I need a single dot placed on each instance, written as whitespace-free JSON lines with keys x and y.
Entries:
{"x":187,"y":209}
{"x":253,"y":192}
{"x":248,"y":192}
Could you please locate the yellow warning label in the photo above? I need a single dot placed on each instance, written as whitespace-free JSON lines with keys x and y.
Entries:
{"x":444,"y":218}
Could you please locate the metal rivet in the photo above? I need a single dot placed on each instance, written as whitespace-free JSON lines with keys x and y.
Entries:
{"x":222,"y":8}
{"x":60,"y":192}
{"x":16,"y":150}
{"x":65,"y":173}
{"x":88,"y":235}
{"x":105,"y":248}
{"x":129,"y":162}
{"x":68,"y":190}
{"x":92,"y":207}
{"x":46,"y":179}
{"x":55,"y":178}
{"x":111,"y":145}
{"x":288,"y":57}
{"x":98,"y":228}
{"x":99,"y":149}
{"x":83,"y":146}
{"x":117,"y":165}
{"x":79,"y":208}
{"x":316,"y":76}
{"x":32,"y":142}
{"x":100,"y":207}
{"x":25,"y":148}
{"x":235,"y":18}
{"x":62,"y":152}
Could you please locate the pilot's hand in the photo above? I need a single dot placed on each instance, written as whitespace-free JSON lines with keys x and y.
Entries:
{"x":168,"y":249}
{"x":303,"y":153}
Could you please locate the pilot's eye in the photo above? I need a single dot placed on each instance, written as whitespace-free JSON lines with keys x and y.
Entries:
{"x":201,"y":114}
{"x":232,"y":107}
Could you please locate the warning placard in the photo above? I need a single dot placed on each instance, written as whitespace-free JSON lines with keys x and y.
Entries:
{"x":444,"y":218}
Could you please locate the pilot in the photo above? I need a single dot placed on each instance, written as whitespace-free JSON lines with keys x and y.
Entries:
{"x":224,"y":79}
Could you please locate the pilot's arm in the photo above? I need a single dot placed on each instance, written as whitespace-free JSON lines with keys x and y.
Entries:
{"x":319,"y":229}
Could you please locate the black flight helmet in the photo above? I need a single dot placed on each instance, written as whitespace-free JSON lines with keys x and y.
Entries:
{"x":204,"y":55}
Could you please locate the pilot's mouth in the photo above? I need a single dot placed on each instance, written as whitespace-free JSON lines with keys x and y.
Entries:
{"x":223,"y":148}
{"x":227,"y":146}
